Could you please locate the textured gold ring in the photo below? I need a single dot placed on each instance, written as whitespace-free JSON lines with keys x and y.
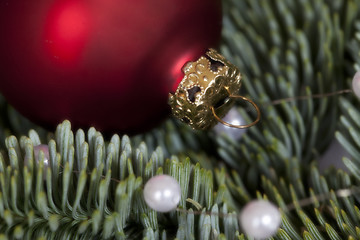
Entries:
{"x":239,"y":126}
{"x":207,"y":85}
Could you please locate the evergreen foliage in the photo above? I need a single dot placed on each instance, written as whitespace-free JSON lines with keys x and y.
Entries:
{"x":93,"y":189}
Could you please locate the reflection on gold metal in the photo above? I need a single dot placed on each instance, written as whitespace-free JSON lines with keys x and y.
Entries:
{"x":207,"y":92}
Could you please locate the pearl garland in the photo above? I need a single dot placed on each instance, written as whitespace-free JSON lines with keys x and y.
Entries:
{"x":162,"y":193}
{"x":356,"y":84}
{"x":260,"y":219}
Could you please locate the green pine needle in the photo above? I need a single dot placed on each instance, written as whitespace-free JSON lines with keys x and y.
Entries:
{"x":93,"y":187}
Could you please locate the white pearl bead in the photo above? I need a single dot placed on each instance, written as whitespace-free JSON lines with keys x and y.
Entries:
{"x":232,"y":117}
{"x":45,"y":149}
{"x":356,"y":84}
{"x":260,"y":219}
{"x":162,"y":193}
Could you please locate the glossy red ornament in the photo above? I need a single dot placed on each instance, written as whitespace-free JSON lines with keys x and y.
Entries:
{"x":103,"y":63}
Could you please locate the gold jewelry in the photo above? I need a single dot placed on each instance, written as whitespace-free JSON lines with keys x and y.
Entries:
{"x":239,"y":126}
{"x":207,"y":92}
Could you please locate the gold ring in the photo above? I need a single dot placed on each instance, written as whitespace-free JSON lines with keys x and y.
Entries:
{"x":239,"y":126}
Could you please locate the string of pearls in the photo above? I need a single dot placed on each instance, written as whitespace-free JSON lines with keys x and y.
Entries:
{"x":259,"y":219}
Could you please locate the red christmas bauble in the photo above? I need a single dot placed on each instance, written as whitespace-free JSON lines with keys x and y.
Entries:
{"x":104,"y":63}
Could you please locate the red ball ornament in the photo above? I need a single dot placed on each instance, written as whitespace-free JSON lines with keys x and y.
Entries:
{"x":104,"y":63}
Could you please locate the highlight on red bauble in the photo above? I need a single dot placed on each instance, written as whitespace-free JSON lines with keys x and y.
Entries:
{"x":68,"y":24}
{"x":104,"y":63}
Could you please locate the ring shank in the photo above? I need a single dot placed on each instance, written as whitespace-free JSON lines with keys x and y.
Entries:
{"x":239,"y":126}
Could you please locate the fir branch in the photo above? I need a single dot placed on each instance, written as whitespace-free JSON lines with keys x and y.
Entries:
{"x":93,"y":188}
